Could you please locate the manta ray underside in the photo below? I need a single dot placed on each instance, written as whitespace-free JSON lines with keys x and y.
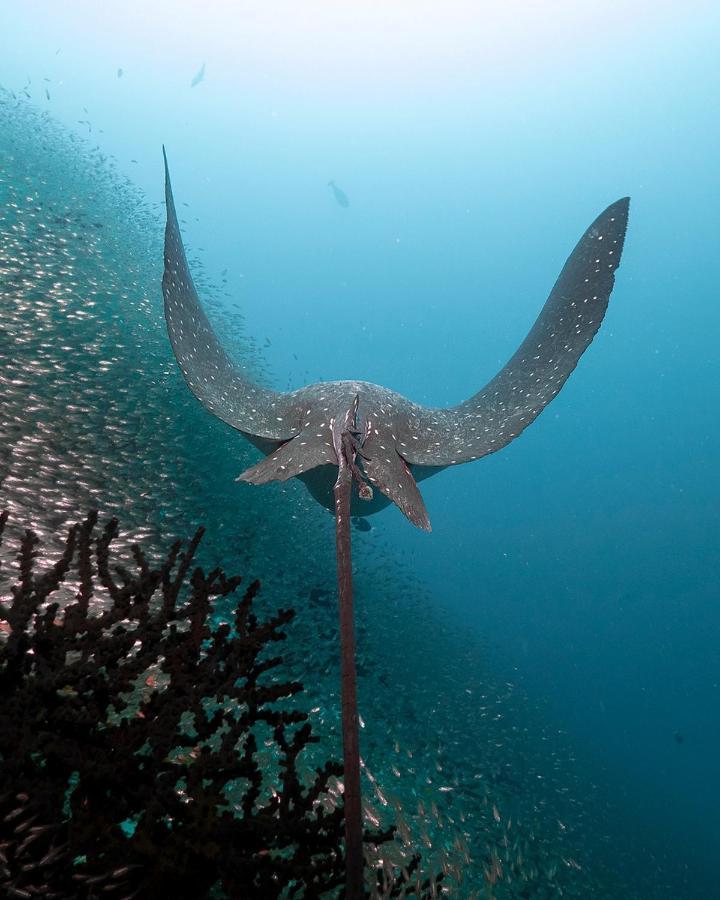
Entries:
{"x":334,"y":434}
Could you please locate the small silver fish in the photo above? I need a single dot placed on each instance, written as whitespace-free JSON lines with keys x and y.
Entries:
{"x":199,"y":76}
{"x":340,"y":196}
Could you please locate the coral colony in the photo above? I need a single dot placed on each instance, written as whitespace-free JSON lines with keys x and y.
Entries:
{"x":148,"y":748}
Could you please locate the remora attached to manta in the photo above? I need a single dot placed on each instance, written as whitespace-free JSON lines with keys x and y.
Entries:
{"x":399,"y":441}
{"x":336,"y":433}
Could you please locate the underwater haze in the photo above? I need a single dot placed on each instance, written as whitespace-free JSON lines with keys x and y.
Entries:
{"x":388,"y":193}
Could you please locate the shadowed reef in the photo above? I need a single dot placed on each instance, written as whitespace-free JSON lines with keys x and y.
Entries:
{"x":147,"y":752}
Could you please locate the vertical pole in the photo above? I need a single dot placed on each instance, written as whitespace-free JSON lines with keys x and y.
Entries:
{"x":354,"y":887}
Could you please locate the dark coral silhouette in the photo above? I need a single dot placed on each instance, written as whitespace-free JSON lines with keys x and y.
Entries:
{"x":145,"y":751}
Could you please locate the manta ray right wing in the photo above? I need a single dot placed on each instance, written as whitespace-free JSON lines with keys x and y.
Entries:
{"x":540,"y":367}
{"x":216,"y":381}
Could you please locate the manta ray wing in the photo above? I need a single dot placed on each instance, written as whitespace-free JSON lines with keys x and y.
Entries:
{"x":542,"y":364}
{"x":214,"y":379}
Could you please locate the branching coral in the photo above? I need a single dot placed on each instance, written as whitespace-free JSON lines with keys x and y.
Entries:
{"x":145,"y":751}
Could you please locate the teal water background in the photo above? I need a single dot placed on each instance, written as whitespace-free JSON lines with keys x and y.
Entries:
{"x":475,"y":145}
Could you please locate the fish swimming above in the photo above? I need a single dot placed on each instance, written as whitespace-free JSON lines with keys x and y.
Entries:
{"x":341,"y":198}
{"x":198,"y":77}
{"x":358,"y":446}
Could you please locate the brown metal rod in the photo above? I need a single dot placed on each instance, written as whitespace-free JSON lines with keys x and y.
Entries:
{"x":354,"y":888}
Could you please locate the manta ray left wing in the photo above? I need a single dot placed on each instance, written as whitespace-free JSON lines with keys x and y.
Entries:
{"x":542,"y":364}
{"x":211,"y":375}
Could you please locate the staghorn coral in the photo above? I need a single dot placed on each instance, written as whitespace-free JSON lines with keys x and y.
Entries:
{"x":144,"y":750}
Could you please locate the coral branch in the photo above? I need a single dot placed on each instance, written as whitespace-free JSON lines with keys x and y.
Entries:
{"x":130,"y":731}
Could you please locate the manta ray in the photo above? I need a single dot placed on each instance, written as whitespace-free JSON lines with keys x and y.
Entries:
{"x":358,"y":446}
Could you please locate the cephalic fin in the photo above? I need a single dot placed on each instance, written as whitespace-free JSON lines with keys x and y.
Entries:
{"x":290,"y":459}
{"x":389,"y":472}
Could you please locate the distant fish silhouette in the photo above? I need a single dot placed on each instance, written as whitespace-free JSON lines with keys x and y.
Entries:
{"x":339,"y":195}
{"x":321,"y":597}
{"x":199,"y":76}
{"x":119,"y":73}
{"x":361,"y":523}
{"x":338,"y":434}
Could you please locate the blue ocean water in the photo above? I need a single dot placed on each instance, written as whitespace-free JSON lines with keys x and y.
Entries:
{"x":473,"y":147}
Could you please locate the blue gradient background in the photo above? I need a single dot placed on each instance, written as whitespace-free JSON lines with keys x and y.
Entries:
{"x":475,"y":142}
